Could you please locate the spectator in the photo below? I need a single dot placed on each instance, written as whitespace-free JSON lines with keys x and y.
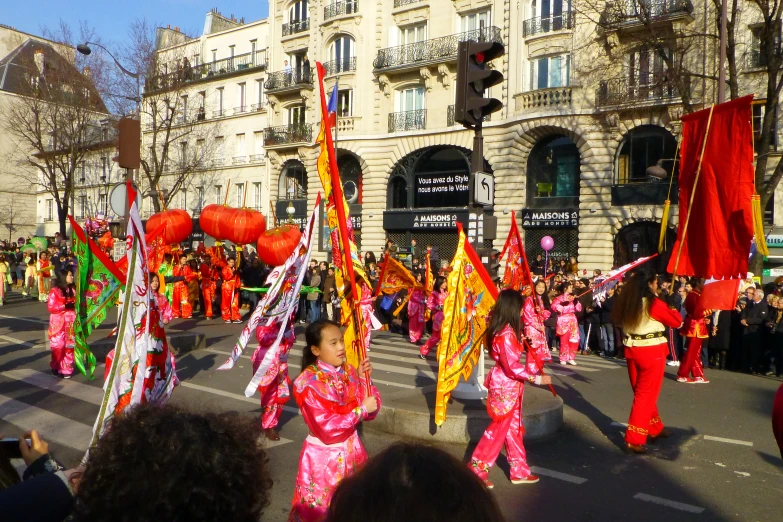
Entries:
{"x":720,"y":338}
{"x":330,"y":294}
{"x":753,"y":316}
{"x":312,"y":297}
{"x":168,"y":463}
{"x":414,"y":249}
{"x":5,"y":274}
{"x":397,"y":485}
{"x":369,"y":257}
{"x":323,"y":268}
{"x":607,"y":329}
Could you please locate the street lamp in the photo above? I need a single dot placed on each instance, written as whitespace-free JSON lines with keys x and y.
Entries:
{"x":86,"y":51}
{"x":290,"y":210}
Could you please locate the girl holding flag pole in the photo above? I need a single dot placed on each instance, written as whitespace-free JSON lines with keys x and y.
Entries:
{"x":435,"y":303}
{"x":417,"y":305}
{"x":534,"y":313}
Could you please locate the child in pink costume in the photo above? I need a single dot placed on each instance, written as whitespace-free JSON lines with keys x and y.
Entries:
{"x":61,"y":303}
{"x":274,"y":384}
{"x":435,"y":303}
{"x":333,"y":399}
{"x":534,"y":314}
{"x":505,"y":385}
{"x":416,"y":308}
{"x":567,"y":326}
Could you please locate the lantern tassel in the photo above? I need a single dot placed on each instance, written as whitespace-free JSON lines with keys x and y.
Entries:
{"x":664,"y":225}
{"x":758,"y":226}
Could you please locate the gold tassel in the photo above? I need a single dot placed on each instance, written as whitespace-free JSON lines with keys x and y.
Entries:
{"x":758,"y":226}
{"x":664,"y":225}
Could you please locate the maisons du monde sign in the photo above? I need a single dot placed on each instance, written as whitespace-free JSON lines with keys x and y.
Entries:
{"x":532,"y":218}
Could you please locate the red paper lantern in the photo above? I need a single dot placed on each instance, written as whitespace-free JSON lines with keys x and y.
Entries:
{"x":247,"y":226}
{"x":217,"y":220}
{"x":277,"y":244}
{"x":179,"y":225}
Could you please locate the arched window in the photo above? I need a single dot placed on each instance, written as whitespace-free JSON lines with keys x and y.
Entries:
{"x":298,"y":11}
{"x":351,"y":176}
{"x":341,"y":52}
{"x":644,"y":147}
{"x":397,"y":196}
{"x":553,"y":174}
{"x":293,"y":181}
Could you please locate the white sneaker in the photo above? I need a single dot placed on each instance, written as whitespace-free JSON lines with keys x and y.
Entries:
{"x":572,"y":362}
{"x":672,"y":363}
{"x":563,"y":363}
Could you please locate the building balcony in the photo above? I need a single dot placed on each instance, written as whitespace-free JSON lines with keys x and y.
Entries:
{"x":347,"y":124}
{"x":257,"y":158}
{"x":620,"y":91}
{"x":400,"y":3}
{"x":336,"y":9}
{"x":755,"y":59}
{"x":643,"y":193}
{"x":296,"y":27}
{"x":239,"y":160}
{"x":219,"y":113}
{"x":430,"y":52}
{"x":634,"y":13}
{"x":340,"y":66}
{"x":282,"y":81}
{"x":238,"y":64}
{"x":218,"y":163}
{"x":288,"y":134}
{"x":548,"y":24}
{"x":408,"y":120}
{"x":544,"y":98}
{"x":242,"y":109}
{"x":450,"y":117}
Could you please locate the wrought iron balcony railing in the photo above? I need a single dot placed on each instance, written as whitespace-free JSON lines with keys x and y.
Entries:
{"x":450,"y":117}
{"x":756,"y":59}
{"x":257,"y":107}
{"x":341,"y":8}
{"x":286,"y":79}
{"x":443,"y":48}
{"x":408,"y":120}
{"x":194,"y":73}
{"x":620,"y":91}
{"x":546,"y":24}
{"x":297,"y":26}
{"x":399,"y":3}
{"x":294,"y":133}
{"x":340,"y":66}
{"x":644,"y":11}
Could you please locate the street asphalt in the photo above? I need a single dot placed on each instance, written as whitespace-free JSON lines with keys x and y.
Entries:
{"x":721,"y":464}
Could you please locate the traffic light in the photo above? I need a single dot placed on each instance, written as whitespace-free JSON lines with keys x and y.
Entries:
{"x":473,"y":78}
{"x":129,"y":143}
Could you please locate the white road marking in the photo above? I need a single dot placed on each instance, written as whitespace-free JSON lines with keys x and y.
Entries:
{"x":73,"y":389}
{"x":53,"y":427}
{"x":557,"y":475}
{"x":742,"y":473}
{"x":27,"y":344}
{"x":256,"y":401}
{"x":669,"y":503}
{"x":39,"y":321}
{"x":728,"y":441}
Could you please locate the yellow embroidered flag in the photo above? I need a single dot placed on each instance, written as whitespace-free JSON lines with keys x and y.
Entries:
{"x":394,"y":277}
{"x":429,"y":281}
{"x":472,"y":296}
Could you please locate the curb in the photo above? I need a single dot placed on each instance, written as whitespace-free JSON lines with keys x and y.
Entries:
{"x":542,"y":417}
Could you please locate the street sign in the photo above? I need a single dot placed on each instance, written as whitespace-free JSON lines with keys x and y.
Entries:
{"x":484,"y":188}
{"x":118,"y":198}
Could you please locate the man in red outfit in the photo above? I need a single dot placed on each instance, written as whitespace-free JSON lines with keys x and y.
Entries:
{"x":229,"y":303}
{"x":180,"y":304}
{"x":695,"y":329}
{"x":208,"y":285}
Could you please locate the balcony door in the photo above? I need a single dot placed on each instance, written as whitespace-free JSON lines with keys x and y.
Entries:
{"x":551,"y":71}
{"x":296,"y":115}
{"x":342,"y":52}
{"x":647,"y":74}
{"x":408,"y":100}
{"x":298,"y":12}
{"x":474,"y":21}
{"x":409,"y":36}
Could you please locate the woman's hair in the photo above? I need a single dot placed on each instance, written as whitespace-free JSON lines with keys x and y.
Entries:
{"x":61,"y":281}
{"x":628,"y":306}
{"x":313,"y":337}
{"x":420,"y":276}
{"x":564,"y":286}
{"x":8,"y":474}
{"x":545,"y":295}
{"x":507,"y":311}
{"x":171,"y":463}
{"x":413,"y":483}
{"x":438,"y":282}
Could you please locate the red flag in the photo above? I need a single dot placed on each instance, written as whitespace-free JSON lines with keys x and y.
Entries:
{"x":720,"y":228}
{"x":517,"y":272}
{"x":719,"y":295}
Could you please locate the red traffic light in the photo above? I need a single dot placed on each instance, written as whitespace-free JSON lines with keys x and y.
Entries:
{"x":479,"y":58}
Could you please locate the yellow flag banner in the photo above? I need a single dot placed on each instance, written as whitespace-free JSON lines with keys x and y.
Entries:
{"x":394,"y":277}
{"x":472,"y":296}
{"x":429,"y":281}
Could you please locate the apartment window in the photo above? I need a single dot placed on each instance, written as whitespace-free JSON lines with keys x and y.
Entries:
{"x":183,"y":154}
{"x":298,"y":12}
{"x":196,"y":60}
{"x":759,"y":110}
{"x":214,"y":55}
{"x":202,"y":99}
{"x":259,"y":94}
{"x":183,"y":199}
{"x":757,"y":57}
{"x":220,"y":100}
{"x":645,"y":67}
{"x":103,"y":200}
{"x":252,"y":49}
{"x":551,"y":71}
{"x":49,"y":210}
{"x":258,"y":143}
{"x":231,"y":51}
{"x":550,"y":10}
{"x":199,"y":199}
{"x":240,"y":194}
{"x":82,"y":172}
{"x":83,"y":207}
{"x":104,"y":167}
{"x":474,"y":21}
{"x":241,"y":96}
{"x":257,"y":196}
{"x":199,"y":158}
{"x":642,"y":148}
{"x":296,"y":115}
{"x":104,"y":134}
{"x":241,"y":144}
{"x":218,"y":194}
{"x":341,"y":51}
{"x":345,"y":102}
{"x":412,"y":34}
{"x":185,"y":107}
{"x":409,"y":99}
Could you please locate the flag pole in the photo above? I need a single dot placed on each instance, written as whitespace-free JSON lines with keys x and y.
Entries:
{"x":693,"y":193}
{"x":338,"y":199}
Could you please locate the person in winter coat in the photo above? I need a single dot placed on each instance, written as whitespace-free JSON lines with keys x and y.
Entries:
{"x":607,"y":328}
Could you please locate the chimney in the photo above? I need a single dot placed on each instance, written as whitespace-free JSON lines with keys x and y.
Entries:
{"x":39,"y":60}
{"x":168,"y":26}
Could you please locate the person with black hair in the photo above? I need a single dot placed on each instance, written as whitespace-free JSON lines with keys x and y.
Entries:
{"x":435,"y":303}
{"x":229,"y":304}
{"x":643,"y":318}
{"x":413,"y":483}
{"x":61,"y":304}
{"x":696,"y":332}
{"x":333,"y":398}
{"x":417,"y":306}
{"x":166,"y":269}
{"x":567,"y":327}
{"x":505,"y":384}
{"x":169,"y":463}
{"x":535,"y":312}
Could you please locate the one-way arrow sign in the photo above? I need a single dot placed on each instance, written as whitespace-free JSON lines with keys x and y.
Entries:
{"x":484,"y":189}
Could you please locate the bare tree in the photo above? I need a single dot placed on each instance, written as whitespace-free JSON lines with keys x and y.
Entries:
{"x":177,"y":146}
{"x":14,"y":214}
{"x":51,"y":120}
